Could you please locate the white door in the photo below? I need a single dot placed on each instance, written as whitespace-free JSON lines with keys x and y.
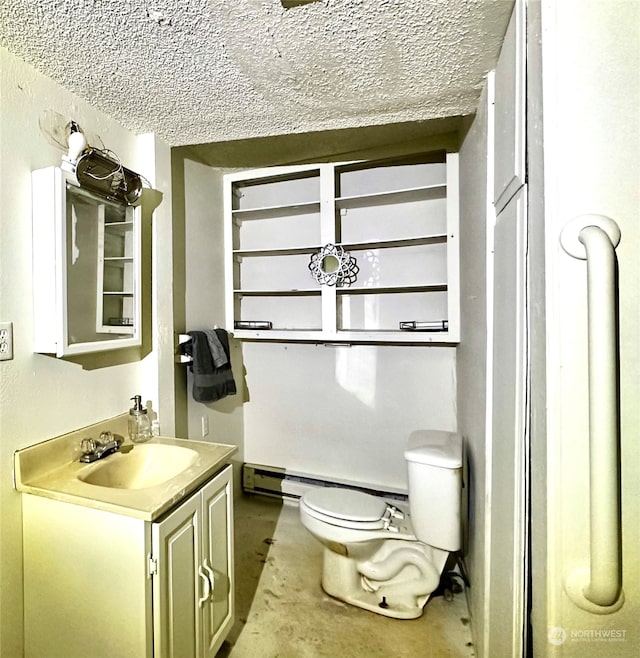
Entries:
{"x":590,"y":130}
{"x":508,"y":504}
{"x":504,"y":626}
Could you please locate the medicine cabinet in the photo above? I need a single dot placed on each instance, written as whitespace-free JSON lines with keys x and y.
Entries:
{"x":86,"y":268}
{"x":395,"y":222}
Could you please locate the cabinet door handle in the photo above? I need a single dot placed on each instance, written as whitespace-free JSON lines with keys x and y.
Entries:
{"x":206,"y":587}
{"x":212,"y":576}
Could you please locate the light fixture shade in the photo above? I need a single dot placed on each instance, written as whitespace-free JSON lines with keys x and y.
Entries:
{"x":105,"y":177}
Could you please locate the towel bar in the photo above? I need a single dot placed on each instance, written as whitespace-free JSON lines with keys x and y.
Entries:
{"x":181,"y":339}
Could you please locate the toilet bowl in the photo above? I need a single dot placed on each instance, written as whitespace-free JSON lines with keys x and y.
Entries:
{"x":373,"y":555}
{"x":371,"y":558}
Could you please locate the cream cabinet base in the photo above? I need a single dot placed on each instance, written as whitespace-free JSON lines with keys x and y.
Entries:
{"x":93,"y":580}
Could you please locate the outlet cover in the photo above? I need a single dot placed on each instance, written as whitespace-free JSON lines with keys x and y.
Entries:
{"x":6,"y":341}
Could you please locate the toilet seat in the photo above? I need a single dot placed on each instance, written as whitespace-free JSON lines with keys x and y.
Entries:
{"x":347,"y":508}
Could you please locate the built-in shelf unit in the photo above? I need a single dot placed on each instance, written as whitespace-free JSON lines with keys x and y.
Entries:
{"x":397,"y":218}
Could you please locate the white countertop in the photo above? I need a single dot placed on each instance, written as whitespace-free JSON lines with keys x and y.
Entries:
{"x":51,"y":469}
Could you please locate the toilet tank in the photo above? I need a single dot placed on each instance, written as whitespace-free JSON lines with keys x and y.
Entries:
{"x":434,"y":460}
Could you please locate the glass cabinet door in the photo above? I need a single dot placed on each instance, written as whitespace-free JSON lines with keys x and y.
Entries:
{"x":116,"y":289}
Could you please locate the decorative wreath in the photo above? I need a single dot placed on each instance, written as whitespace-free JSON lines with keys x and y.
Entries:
{"x":343,"y":271}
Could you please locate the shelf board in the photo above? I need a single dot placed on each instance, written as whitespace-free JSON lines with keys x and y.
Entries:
{"x":380,"y":290}
{"x":350,"y":290}
{"x":118,"y":260}
{"x":395,"y":335}
{"x":268,"y":212}
{"x":438,"y":238}
{"x":118,"y":227}
{"x":277,"y":333}
{"x":278,"y":293}
{"x":290,"y":251}
{"x":397,"y":196}
{"x":402,"y":242}
{"x":348,"y":336}
{"x":359,"y":201}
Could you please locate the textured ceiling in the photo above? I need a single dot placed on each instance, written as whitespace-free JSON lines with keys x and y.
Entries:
{"x":202,"y":71}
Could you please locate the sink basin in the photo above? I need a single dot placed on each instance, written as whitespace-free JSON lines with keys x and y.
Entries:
{"x":141,"y":467}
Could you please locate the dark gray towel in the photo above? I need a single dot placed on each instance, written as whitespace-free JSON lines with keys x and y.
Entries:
{"x":210,"y":383}
{"x":218,"y":354}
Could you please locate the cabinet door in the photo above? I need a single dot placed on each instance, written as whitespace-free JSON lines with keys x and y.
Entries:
{"x":118,"y":296}
{"x":217,"y":560}
{"x":176,"y":588}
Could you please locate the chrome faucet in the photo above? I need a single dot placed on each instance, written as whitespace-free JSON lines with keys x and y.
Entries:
{"x":106,"y":445}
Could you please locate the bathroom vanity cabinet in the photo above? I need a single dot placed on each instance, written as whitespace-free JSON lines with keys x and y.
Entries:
{"x":398,"y":220}
{"x":102,"y":584}
{"x":86,"y":268}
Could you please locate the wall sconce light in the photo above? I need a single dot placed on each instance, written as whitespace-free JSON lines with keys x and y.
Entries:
{"x":76,"y":140}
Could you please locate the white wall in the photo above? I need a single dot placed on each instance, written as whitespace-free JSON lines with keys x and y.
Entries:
{"x":154,"y":161}
{"x":344,"y":412}
{"x":591,"y":130}
{"x":204,"y":303}
{"x":41,"y":396}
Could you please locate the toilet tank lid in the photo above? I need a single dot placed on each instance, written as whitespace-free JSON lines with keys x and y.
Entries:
{"x":435,"y":448}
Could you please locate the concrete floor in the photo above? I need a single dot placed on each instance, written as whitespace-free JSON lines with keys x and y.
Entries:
{"x":282,"y":612}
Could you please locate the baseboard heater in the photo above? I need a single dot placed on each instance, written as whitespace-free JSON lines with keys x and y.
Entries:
{"x":287,"y":485}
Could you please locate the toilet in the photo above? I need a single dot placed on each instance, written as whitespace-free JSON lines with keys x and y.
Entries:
{"x":380,"y":555}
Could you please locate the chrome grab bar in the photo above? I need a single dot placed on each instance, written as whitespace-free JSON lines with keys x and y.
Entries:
{"x":598,"y":589}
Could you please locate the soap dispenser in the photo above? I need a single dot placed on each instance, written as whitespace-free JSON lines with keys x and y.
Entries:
{"x":139,"y":423}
